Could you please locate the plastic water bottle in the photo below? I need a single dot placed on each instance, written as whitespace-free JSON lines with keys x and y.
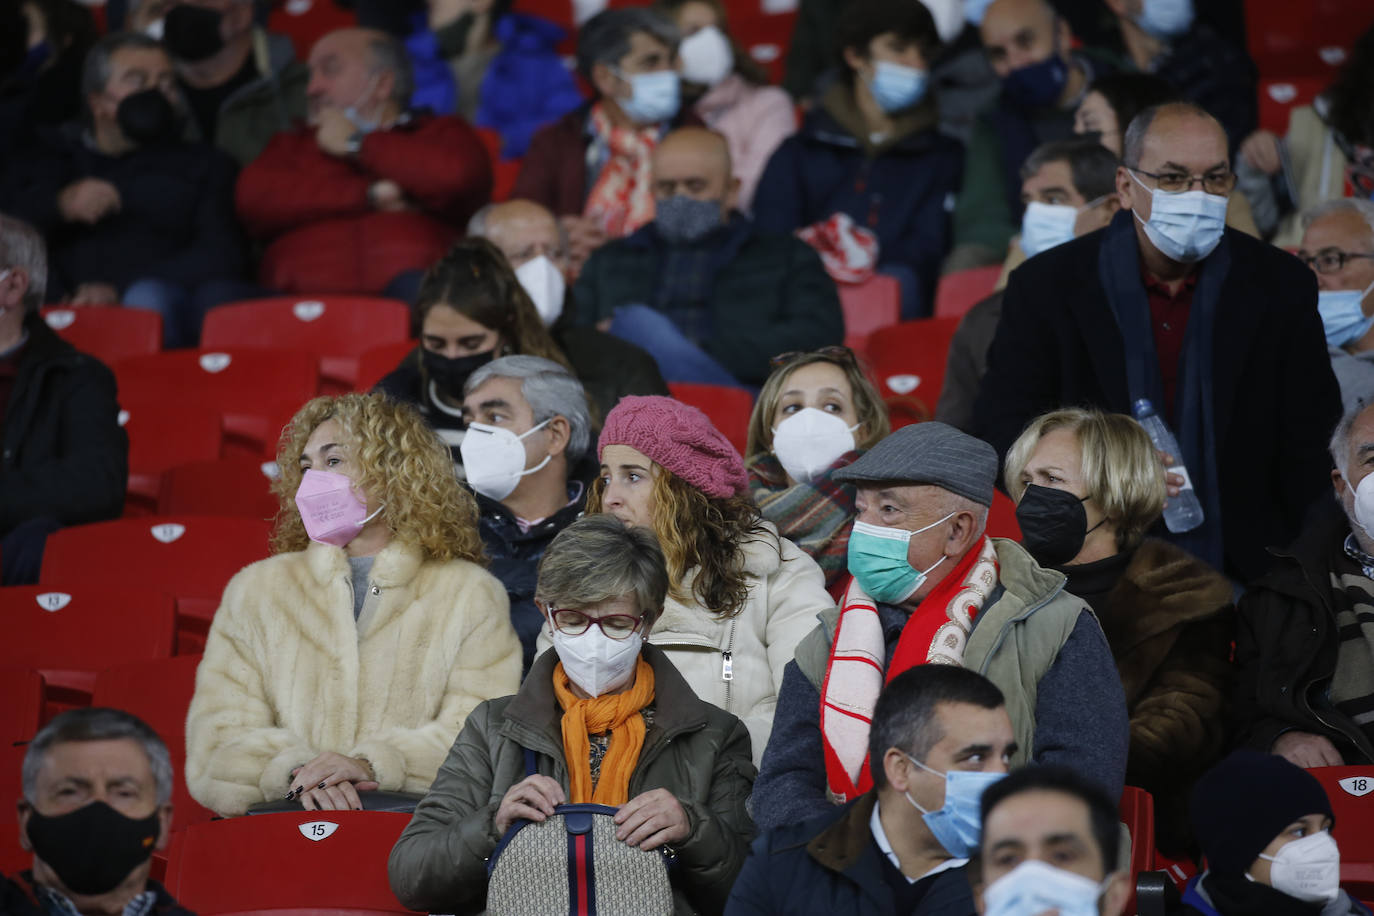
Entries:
{"x":1182,"y":512}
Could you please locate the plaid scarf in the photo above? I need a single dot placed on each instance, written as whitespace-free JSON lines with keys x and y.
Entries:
{"x":1352,"y":595}
{"x":816,"y":516}
{"x":623,"y":198}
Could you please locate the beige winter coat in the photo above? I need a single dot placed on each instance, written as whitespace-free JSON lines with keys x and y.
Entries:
{"x":786,"y":592}
{"x":289,"y":674}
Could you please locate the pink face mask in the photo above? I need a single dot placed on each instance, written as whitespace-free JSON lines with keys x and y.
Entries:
{"x":331,"y":511}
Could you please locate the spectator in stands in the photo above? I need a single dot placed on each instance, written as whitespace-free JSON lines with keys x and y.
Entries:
{"x":740,"y":597}
{"x":368,"y":194}
{"x":1113,"y":101}
{"x":940,"y":736}
{"x":1266,"y":827}
{"x":1069,"y":190}
{"x":496,"y":68}
{"x":536,"y":247}
{"x":96,"y":804}
{"x":1328,"y":145}
{"x":1101,"y":321}
{"x":1043,"y":80}
{"x":131,"y":213}
{"x":1088,"y":485}
{"x":65,"y":457}
{"x":707,"y":292}
{"x":242,"y":83}
{"x":528,"y":435}
{"x":1051,"y":843}
{"x":930,"y":586}
{"x":609,"y":720}
{"x":591,"y":167}
{"x":870,"y":150}
{"x":816,"y":413}
{"x":43,"y":44}
{"x":1302,"y":661}
{"x":345,"y":662}
{"x":729,"y":91}
{"x":1338,"y":245}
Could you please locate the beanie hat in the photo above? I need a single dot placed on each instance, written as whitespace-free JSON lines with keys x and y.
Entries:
{"x":680,"y":438}
{"x":1243,"y":803}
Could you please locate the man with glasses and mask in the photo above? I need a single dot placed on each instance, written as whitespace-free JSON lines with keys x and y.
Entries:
{"x":1338,"y":245}
{"x":1218,"y":331}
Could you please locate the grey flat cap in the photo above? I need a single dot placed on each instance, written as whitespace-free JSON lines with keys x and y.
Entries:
{"x":931,"y":453}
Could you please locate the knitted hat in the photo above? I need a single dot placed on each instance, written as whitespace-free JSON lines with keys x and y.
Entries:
{"x":930,"y":453}
{"x":679,"y":437}
{"x":1243,"y":803}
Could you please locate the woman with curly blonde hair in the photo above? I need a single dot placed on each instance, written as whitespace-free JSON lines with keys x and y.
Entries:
{"x":348,"y":661}
{"x":740,"y":596}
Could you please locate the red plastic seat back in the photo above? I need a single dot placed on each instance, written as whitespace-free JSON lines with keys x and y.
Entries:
{"x":307,"y":21}
{"x":318,"y":860}
{"x":377,"y":363}
{"x":337,"y":329}
{"x":868,"y":306}
{"x":21,"y":711}
{"x":958,"y":292}
{"x":765,"y":37}
{"x":1002,"y":517}
{"x":1278,"y":98}
{"x":503,"y":171}
{"x":1138,"y":814}
{"x":160,"y":437}
{"x":729,"y":408}
{"x":107,"y":332}
{"x":1314,"y":43}
{"x":1351,"y":792}
{"x":908,"y":361}
{"x":222,"y":486}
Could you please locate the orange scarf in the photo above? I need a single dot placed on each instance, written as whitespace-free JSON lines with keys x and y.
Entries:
{"x":622,"y":199}
{"x":617,"y":713}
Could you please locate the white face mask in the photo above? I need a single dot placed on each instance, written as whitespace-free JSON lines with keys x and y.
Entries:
{"x":1185,"y":226}
{"x":494,"y":459}
{"x":1308,"y":869}
{"x":595,"y":662}
{"x":1035,"y":887}
{"x":706,"y":56}
{"x":1364,"y":503}
{"x":809,"y":441}
{"x":544,"y":282}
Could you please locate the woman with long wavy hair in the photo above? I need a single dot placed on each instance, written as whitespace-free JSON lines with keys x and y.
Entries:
{"x":348,"y":660}
{"x":740,"y":596}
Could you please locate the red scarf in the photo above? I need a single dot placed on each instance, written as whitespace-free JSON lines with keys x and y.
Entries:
{"x":622,"y":199}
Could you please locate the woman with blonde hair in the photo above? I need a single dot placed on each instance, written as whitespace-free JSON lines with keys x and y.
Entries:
{"x":740,"y":596}
{"x":347,"y":661}
{"x":1088,"y":485}
{"x":817,"y":413}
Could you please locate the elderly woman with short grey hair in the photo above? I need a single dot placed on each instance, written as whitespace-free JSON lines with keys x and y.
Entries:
{"x":608,"y":721}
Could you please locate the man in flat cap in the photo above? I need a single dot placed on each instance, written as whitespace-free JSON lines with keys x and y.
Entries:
{"x":930,"y":587}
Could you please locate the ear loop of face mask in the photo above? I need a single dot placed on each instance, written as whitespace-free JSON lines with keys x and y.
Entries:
{"x":353,"y":113}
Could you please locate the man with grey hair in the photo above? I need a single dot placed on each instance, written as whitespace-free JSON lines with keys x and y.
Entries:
{"x":1338,"y":244}
{"x":63,"y":455}
{"x":930,"y":587}
{"x":96,"y":804}
{"x":1305,"y":632}
{"x":367,"y":194}
{"x":524,"y":453}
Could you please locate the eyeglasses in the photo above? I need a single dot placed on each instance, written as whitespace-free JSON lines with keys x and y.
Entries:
{"x":1219,"y":183}
{"x":842,"y":355}
{"x":1330,"y":260}
{"x":575,"y":623}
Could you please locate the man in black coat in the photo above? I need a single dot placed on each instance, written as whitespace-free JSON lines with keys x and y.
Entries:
{"x":63,"y":455}
{"x":1218,"y":331}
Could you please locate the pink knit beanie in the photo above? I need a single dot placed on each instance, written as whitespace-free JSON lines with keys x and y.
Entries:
{"x":679,"y":437}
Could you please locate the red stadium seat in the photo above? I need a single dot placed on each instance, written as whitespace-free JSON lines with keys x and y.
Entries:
{"x":256,"y":390}
{"x":1002,"y":517}
{"x":1351,"y":791}
{"x":868,"y":306}
{"x":13,"y":858}
{"x":377,"y":363}
{"x":765,"y":37}
{"x":161,"y":436}
{"x":503,"y":171}
{"x":316,"y":861}
{"x":337,"y":329}
{"x":960,"y":291}
{"x":1138,"y":814}
{"x":908,"y":361}
{"x":22,"y":710}
{"x":1313,"y":43}
{"x":220,"y":486}
{"x":306,"y":21}
{"x":189,"y":557}
{"x":728,"y":408}
{"x":1278,"y":98}
{"x":107,"y":332}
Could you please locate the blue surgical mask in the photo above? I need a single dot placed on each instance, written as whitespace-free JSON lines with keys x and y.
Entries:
{"x":1043,"y":226}
{"x":354,"y":114}
{"x":1165,"y":18}
{"x":654,"y":97}
{"x":877,"y":559}
{"x":957,"y":825}
{"x":1037,"y":887}
{"x":974,"y":10}
{"x":1037,"y":85}
{"x":1185,"y":226}
{"x":1343,"y":316}
{"x":896,"y":86}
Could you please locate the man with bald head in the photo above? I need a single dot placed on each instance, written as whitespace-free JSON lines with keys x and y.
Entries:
{"x":1218,"y":331}
{"x":367,"y":194}
{"x":706,"y":292}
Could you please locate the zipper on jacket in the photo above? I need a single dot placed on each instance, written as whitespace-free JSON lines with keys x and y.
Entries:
{"x":727,"y":662}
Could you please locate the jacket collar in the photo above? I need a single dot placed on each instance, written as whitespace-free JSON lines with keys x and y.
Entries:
{"x":837,"y":121}
{"x":43,"y":344}
{"x":762,"y":555}
{"x":1322,"y":537}
{"x":1022,"y":577}
{"x":496,"y":512}
{"x":1162,"y":587}
{"x":847,"y":842}
{"x":396,"y":564}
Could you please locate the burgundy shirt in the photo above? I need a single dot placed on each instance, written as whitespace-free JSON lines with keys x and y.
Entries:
{"x":1169,"y":316}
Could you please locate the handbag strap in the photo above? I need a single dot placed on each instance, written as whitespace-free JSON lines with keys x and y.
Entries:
{"x":530,"y":768}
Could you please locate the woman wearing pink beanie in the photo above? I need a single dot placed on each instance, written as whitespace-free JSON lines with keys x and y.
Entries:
{"x":741,"y":596}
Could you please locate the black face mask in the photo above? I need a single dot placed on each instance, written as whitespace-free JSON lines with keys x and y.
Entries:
{"x":93,"y":848}
{"x":1053,"y":523}
{"x":449,"y":373}
{"x":191,"y":33}
{"x":147,"y":118}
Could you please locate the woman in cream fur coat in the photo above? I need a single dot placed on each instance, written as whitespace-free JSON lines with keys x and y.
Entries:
{"x":350,"y":659}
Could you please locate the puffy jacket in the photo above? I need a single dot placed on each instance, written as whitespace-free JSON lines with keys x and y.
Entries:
{"x":786,"y":592}
{"x":288,"y":672}
{"x":697,"y":752}
{"x":312,"y":209}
